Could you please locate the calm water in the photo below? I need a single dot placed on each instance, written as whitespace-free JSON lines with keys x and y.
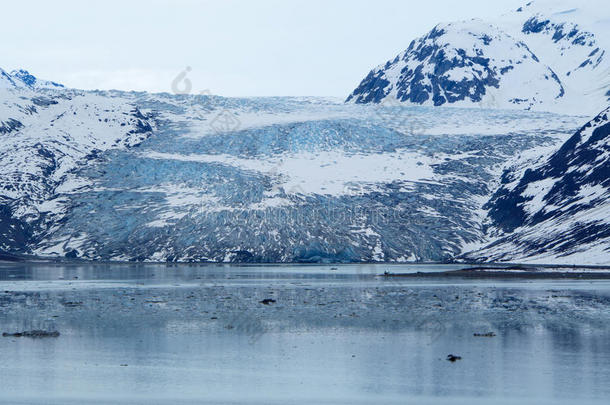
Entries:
{"x":335,"y":335}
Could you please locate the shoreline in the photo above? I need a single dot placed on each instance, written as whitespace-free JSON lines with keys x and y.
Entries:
{"x":513,"y":272}
{"x":13,"y":259}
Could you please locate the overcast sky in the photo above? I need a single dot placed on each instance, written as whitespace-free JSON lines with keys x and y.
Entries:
{"x":234,"y":47}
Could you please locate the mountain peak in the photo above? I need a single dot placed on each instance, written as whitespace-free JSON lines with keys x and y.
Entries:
{"x":548,"y":56}
{"x":21,"y":78}
{"x":25,"y":77}
{"x":463,"y":63}
{"x":6,"y":80}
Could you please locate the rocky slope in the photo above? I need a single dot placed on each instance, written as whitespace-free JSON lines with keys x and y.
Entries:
{"x":555,"y":209}
{"x":549,"y":56}
{"x":44,"y":136}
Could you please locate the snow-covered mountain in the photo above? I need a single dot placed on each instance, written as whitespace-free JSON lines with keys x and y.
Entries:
{"x":44,"y":136}
{"x":24,"y":79}
{"x":136,"y":176}
{"x":110,"y":175}
{"x":555,"y":208}
{"x":546,"y":55}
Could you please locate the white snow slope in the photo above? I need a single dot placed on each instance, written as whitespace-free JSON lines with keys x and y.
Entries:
{"x":547,"y":55}
{"x":555,"y":208}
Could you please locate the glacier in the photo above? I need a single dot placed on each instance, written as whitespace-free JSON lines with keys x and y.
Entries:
{"x":133,"y":176}
{"x":476,"y":143}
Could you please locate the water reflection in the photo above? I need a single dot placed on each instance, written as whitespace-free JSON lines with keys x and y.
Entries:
{"x":185,"y":272}
{"x":312,"y":366}
{"x":195,"y":334}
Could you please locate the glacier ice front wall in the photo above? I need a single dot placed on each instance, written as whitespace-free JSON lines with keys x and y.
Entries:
{"x":134,"y":176}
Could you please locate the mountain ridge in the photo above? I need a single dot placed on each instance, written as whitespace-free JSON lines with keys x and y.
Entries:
{"x":21,"y":78}
{"x":131,"y":176}
{"x":532,"y":58}
{"x":555,"y":209}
